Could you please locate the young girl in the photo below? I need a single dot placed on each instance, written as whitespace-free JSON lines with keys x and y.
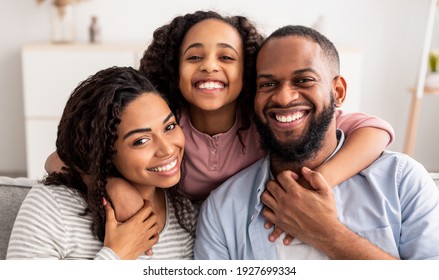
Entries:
{"x":115,"y":124}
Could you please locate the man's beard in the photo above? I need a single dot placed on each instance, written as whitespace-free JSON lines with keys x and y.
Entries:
{"x":304,"y":148}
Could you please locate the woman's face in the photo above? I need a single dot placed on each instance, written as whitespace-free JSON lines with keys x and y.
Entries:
{"x":211,"y":65}
{"x":150,"y":144}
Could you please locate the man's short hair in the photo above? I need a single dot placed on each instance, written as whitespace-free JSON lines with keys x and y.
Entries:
{"x":329,"y":51}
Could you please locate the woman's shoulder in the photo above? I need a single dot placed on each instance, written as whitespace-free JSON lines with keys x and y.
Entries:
{"x":58,"y":196}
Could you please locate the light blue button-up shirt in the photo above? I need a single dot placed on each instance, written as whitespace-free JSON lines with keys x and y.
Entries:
{"x":394,"y":203}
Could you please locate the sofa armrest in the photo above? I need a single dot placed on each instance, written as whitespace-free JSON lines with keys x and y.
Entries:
{"x":12,"y":193}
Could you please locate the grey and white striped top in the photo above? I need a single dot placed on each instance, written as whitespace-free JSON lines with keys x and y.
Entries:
{"x":49,"y":226}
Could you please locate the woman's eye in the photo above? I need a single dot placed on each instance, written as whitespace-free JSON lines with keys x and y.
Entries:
{"x":170,"y":126}
{"x":140,"y":141}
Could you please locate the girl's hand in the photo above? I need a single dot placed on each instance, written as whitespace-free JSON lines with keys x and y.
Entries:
{"x":134,"y":237}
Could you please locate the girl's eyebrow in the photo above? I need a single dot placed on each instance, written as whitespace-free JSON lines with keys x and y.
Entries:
{"x":199,"y":45}
{"x":146,"y":129}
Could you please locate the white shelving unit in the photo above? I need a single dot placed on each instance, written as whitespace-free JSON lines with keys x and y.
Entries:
{"x":50,"y":73}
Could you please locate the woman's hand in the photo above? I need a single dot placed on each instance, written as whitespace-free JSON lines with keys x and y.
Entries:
{"x":134,"y":237}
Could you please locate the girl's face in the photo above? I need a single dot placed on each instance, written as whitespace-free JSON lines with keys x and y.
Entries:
{"x":150,"y":144}
{"x":211,"y":65}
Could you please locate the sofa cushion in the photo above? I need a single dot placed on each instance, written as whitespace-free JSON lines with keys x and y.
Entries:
{"x":12,"y":193}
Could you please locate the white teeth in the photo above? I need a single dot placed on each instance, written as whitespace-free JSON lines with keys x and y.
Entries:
{"x":164,"y":168}
{"x":290,"y":118}
{"x":211,"y":85}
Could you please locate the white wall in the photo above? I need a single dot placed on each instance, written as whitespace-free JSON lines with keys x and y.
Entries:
{"x":388,"y":33}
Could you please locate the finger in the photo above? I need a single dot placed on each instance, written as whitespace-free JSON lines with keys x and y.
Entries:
{"x":316,"y":179}
{"x":268,"y":199}
{"x":288,"y":239}
{"x":268,"y":225}
{"x":275,"y":190}
{"x":269,"y":215}
{"x":275,"y":234}
{"x":152,"y":231}
{"x":288,"y":180}
{"x":144,"y":213}
{"x":150,"y":221}
{"x":148,"y":252}
{"x":110,"y":217}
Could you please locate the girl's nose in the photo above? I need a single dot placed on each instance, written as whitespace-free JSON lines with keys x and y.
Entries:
{"x":209,"y":65}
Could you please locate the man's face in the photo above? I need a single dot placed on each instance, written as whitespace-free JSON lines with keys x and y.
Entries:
{"x":294,"y":103}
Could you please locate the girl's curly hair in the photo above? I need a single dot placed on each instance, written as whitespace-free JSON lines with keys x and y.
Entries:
{"x":86,"y":137}
{"x":160,"y":62}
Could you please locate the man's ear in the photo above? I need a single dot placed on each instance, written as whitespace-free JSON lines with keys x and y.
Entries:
{"x":339,"y":87}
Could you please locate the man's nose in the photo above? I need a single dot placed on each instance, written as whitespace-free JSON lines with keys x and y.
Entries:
{"x":285,"y":94}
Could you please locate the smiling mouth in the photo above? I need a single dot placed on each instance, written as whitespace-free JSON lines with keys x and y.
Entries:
{"x":287,"y":118}
{"x":163,"y":168}
{"x":210,"y":85}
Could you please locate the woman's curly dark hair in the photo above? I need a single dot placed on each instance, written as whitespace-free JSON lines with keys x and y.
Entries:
{"x":86,"y":137}
{"x":160,"y":62}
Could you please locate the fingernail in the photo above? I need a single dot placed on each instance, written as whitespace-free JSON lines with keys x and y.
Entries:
{"x":104,"y":201}
{"x":306,"y":169}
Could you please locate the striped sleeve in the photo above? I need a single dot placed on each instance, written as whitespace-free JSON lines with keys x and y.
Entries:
{"x":38,"y":232}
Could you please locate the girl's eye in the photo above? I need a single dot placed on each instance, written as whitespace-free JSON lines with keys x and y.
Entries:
{"x":226,"y":57}
{"x":140,"y":141}
{"x":194,"y":57}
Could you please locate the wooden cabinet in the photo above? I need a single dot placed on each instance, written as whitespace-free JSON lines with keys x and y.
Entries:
{"x":50,"y":73}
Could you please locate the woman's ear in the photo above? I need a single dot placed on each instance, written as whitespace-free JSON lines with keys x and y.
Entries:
{"x":339,"y":87}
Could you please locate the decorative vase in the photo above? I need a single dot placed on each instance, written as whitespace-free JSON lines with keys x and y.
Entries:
{"x":63,"y":24}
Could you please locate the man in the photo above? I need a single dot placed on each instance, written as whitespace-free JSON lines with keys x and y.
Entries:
{"x":389,"y":210}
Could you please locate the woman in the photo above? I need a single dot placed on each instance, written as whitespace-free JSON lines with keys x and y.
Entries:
{"x":115,"y":124}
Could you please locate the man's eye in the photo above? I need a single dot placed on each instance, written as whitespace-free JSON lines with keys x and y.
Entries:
{"x":268,"y":84}
{"x":305,"y":82}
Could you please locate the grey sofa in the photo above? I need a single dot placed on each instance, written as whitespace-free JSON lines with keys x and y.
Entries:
{"x":12,"y":193}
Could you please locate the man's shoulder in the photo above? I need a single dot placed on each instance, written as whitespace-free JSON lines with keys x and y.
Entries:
{"x":396,"y":167}
{"x":392,"y":158}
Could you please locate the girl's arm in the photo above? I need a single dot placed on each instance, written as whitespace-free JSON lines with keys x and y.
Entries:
{"x":125,"y":198}
{"x":366,"y":138}
{"x":53,"y":163}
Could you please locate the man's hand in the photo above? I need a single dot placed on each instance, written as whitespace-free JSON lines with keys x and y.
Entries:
{"x":134,"y":237}
{"x":305,"y":212}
